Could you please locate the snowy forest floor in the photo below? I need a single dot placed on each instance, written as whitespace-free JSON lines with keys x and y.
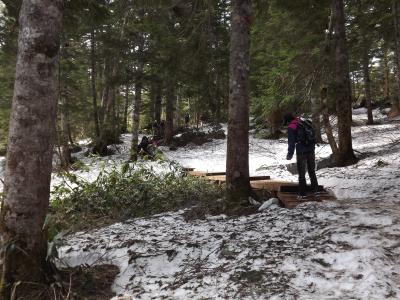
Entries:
{"x":347,"y":249}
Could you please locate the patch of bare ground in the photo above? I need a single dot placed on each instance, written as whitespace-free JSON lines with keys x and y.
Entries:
{"x":79,"y":283}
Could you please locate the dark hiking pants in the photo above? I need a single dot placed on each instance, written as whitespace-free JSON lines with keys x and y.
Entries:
{"x":306,"y":161}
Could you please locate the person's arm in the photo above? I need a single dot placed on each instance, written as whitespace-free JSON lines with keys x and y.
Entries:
{"x":291,"y":143}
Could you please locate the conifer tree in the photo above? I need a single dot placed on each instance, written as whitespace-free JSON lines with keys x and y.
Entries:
{"x":237,"y":161}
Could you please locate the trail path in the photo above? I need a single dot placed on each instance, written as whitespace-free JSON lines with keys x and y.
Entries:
{"x":348,"y":249}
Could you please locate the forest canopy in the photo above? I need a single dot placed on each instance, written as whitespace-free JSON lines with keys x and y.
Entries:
{"x":179,"y":50}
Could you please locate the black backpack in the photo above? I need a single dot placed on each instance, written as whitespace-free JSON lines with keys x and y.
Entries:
{"x":305,"y":132}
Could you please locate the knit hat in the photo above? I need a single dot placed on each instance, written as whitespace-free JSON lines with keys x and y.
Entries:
{"x":287,"y":118}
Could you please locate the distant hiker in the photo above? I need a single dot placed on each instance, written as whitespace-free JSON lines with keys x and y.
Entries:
{"x":143,"y":147}
{"x":156,"y":128}
{"x":201,"y":119}
{"x":162,"y":128}
{"x":187,"y":119}
{"x":301,"y":137}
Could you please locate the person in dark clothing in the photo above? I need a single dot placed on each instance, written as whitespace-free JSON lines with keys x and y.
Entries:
{"x":143,"y":147}
{"x":305,"y":154}
{"x":187,"y":119}
{"x":162,"y":128}
{"x":156,"y":128}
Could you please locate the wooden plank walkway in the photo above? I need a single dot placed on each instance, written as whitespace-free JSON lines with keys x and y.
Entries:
{"x":285,"y":191}
{"x":289,"y":200}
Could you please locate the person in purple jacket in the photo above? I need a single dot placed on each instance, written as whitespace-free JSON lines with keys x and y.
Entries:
{"x":305,"y":154}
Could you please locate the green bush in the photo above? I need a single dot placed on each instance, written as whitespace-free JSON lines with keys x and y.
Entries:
{"x":124,"y":193}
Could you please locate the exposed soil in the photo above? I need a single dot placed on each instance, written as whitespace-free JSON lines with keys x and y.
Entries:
{"x":198,"y":137}
{"x":79,"y":283}
{"x":91,"y":283}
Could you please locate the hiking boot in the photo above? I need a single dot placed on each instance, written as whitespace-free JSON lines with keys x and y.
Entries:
{"x":301,"y":198}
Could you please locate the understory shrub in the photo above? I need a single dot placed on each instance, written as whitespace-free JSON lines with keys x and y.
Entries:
{"x":122,"y":193}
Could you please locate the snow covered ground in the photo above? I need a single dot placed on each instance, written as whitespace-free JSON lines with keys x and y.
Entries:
{"x":345,"y":250}
{"x":348,"y":249}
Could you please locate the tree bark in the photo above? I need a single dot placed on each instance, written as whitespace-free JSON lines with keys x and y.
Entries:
{"x":169,"y":112}
{"x":178,"y":109}
{"x":109,"y":132}
{"x":93,"y":82}
{"x":342,"y":87}
{"x":66,"y":158}
{"x":152,"y":100}
{"x":395,"y":100}
{"x":367,"y":83}
{"x":65,"y":153}
{"x":136,"y":117}
{"x":386,"y":72}
{"x":327,"y":124}
{"x":237,"y":162}
{"x":124,"y":128}
{"x":157,"y":101}
{"x":30,"y":147}
{"x":138,"y":95}
{"x":104,"y":118}
{"x":316,"y":118}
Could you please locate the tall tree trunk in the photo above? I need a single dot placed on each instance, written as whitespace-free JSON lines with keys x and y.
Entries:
{"x":217,"y":115}
{"x":66,"y":158}
{"x":169,"y":112}
{"x":115,"y":132}
{"x":152,"y":100}
{"x":136,"y":117}
{"x":65,"y":155}
{"x":395,"y":100}
{"x":326,"y":82}
{"x":102,"y":140}
{"x":93,"y":82}
{"x":353,"y":87}
{"x":109,"y":132}
{"x":367,"y":83}
{"x":138,"y":96}
{"x":71,"y":140}
{"x":237,"y":161}
{"x":327,"y":123}
{"x":30,"y":148}
{"x":342,"y":87}
{"x":105,"y":93}
{"x":158,"y":100}
{"x":124,"y":128}
{"x":105,"y":70}
{"x":386,"y":75}
{"x":316,"y":117}
{"x":178,"y":109}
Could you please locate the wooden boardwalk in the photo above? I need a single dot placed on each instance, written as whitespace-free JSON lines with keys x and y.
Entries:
{"x":264,"y":186}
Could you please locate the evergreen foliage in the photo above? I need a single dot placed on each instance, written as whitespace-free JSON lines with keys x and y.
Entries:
{"x":186,"y":53}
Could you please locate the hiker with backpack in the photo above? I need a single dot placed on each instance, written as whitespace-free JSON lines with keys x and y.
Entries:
{"x":143,"y":147}
{"x":301,"y":138}
{"x":187,"y":119}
